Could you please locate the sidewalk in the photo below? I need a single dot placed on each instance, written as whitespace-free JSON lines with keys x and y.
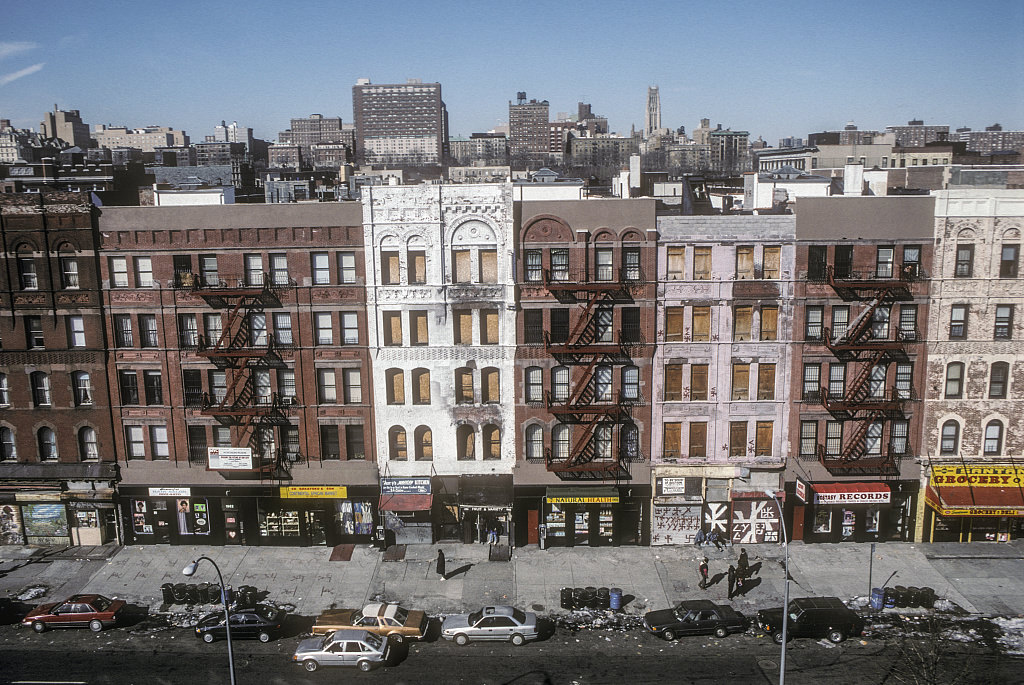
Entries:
{"x":981,"y":578}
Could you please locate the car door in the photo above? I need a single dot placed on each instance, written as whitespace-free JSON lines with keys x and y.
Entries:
{"x":708,"y":621}
{"x":353,"y":650}
{"x":65,"y":615}
{"x":688,"y":624}
{"x":334,"y":655}
{"x":504,"y":626}
{"x":484,"y":629}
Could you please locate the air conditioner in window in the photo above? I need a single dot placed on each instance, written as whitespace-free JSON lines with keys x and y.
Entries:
{"x":288,"y":400}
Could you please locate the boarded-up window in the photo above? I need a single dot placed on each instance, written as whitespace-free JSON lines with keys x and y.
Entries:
{"x":399,"y":449}
{"x":741,"y":323}
{"x":488,"y":266}
{"x":417,"y":267}
{"x":698,"y":439}
{"x":464,"y":386}
{"x":461,"y":260}
{"x":492,"y":442}
{"x":699,"y":382}
{"x":420,"y":386}
{"x":418,"y":328}
{"x":702,"y":263}
{"x":389,"y":268}
{"x":396,"y":386}
{"x":763,"y":439}
{"x":701,"y":324}
{"x":772,"y":258}
{"x":392,"y":328}
{"x":744,"y":263}
{"x":737,"y":438}
{"x":769,"y":323}
{"x":463,"y":327}
{"x":673,"y":382}
{"x":465,"y":443}
{"x":766,"y":381}
{"x":674,"y":323}
{"x":676,"y":262}
{"x":491,"y":389}
{"x":489,"y":334}
{"x":741,"y":381}
{"x":424,"y":444}
{"x":672,"y":440}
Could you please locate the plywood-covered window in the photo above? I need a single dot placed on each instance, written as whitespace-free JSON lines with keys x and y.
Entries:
{"x":763,"y":439}
{"x":737,"y":438}
{"x":701,"y":324}
{"x":465,"y":443}
{"x":392,"y":328}
{"x":418,"y":334}
{"x":396,"y":444}
{"x":424,"y":444}
{"x":490,"y":387}
{"x":702,"y":263}
{"x":771,"y":263}
{"x":672,"y":440}
{"x":698,"y":444}
{"x":420,"y":386}
{"x":769,"y":323}
{"x":699,"y":382}
{"x":674,"y":323}
{"x":461,"y":266}
{"x":489,"y":329}
{"x":463,"y":327}
{"x":417,"y":267}
{"x":676,"y":263}
{"x":488,"y":266}
{"x":740,"y":381}
{"x":673,"y":382}
{"x":766,"y":381}
{"x":742,"y":317}
{"x":744,"y":262}
{"x":395,"y":379}
{"x":492,"y":442}
{"x":464,"y":386}
{"x":389,"y":268}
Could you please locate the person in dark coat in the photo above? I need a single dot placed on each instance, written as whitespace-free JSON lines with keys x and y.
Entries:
{"x":732,"y":580}
{"x":742,"y":564}
{"x":703,"y":570}
{"x":440,"y":564}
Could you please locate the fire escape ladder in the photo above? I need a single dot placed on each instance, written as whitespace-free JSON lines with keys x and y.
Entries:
{"x":856,"y":444}
{"x":859,"y":391}
{"x":584,"y":323}
{"x":861,"y":323}
{"x":583,"y":392}
{"x":583,"y":450}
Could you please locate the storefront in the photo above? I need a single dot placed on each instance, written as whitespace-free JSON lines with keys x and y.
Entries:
{"x":678,"y":510}
{"x":851,"y":511}
{"x":592,"y":515}
{"x":405,"y":505}
{"x":755,"y":518}
{"x":485,"y":508}
{"x":975,"y":503}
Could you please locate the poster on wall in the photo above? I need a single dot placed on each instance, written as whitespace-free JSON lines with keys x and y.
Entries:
{"x":676,"y":524}
{"x":754,"y":521}
{"x":10,"y":525}
{"x":45,"y":524}
{"x":355,"y":518}
{"x":141,"y":523}
{"x":193,"y":516}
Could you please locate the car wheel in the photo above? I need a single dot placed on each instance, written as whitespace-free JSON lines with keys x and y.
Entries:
{"x":777,"y":637}
{"x":720,"y":631}
{"x":95,"y":626}
{"x":399,"y":638}
{"x":264,"y":636}
{"x":38,"y":626}
{"x":461,"y":639}
{"x":669,"y":635}
{"x":836,"y":636}
{"x":310,"y":665}
{"x":207,"y":637}
{"x":364,"y":666}
{"x":518,"y":640}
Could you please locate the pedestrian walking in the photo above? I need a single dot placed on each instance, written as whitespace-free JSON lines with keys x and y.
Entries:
{"x":440,"y":564}
{"x":703,"y":570}
{"x":742,"y":564}
{"x":732,"y":580}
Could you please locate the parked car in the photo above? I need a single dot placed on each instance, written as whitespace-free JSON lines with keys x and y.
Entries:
{"x":95,"y":612}
{"x":262,"y":623}
{"x":347,"y":647}
{"x":491,"y":623}
{"x":812,"y":617}
{"x":695,"y":617}
{"x":382,"y":618}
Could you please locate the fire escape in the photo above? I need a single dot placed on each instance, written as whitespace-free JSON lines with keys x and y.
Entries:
{"x":605,"y":438}
{"x":868,"y":343}
{"x":242,"y":351}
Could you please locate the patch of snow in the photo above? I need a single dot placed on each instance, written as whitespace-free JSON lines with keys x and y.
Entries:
{"x":1012,"y":638}
{"x":32,"y":592}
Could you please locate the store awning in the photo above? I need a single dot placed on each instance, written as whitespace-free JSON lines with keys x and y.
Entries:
{"x":604,"y":494}
{"x":851,"y":493}
{"x":406,"y":502}
{"x":488,"y":493}
{"x":961,"y":500}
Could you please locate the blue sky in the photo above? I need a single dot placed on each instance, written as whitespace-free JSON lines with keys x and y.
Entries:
{"x":771,"y":68}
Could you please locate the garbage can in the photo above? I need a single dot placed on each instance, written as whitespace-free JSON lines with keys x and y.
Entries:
{"x":203,"y":593}
{"x":167,"y":590}
{"x":192,"y":594}
{"x":603,"y":599}
{"x":566,"y":598}
{"x":901,"y":596}
{"x":890,"y":598}
{"x":913,"y":596}
{"x":615,"y":598}
{"x":927,"y":598}
{"x":590,"y":596}
{"x":578,"y":598}
{"x":180,"y":592}
{"x":877,"y":598}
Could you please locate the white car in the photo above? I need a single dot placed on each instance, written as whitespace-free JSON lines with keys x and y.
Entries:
{"x":343,"y":648}
{"x":491,"y":623}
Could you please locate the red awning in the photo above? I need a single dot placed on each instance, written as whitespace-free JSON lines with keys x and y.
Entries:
{"x":851,"y":493}
{"x":959,"y":500}
{"x":405,"y":502}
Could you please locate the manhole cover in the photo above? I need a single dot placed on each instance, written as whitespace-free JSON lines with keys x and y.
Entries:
{"x":537,"y":607}
{"x":767,"y":664}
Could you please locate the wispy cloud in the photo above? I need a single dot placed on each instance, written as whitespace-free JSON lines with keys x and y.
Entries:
{"x":15,"y":75}
{"x":8,"y":48}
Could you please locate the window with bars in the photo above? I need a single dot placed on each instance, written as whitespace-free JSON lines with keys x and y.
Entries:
{"x":1004,"y":322}
{"x":964,"y":261}
{"x":814,"y":316}
{"x":148,"y":335}
{"x":283,"y":328}
{"x":603,"y":318}
{"x":904,"y":380}
{"x":873,"y":439}
{"x":123,"y":331}
{"x":880,"y":323}
{"x":559,"y":324}
{"x":631,"y":263}
{"x":958,"y":322}
{"x":346,"y":267}
{"x":817,"y":262}
{"x":603,"y":383}
{"x":560,"y":436}
{"x":534,"y":269}
{"x":533,"y":326}
{"x":840,"y":321}
{"x":128,"y":384}
{"x":279,"y":269}
{"x":258,"y":329}
{"x":286,"y":383}
{"x":534,"y":384}
{"x":188,"y":331}
{"x":837,"y":380}
{"x":998,"y":377}
{"x":833,"y":438}
{"x":154,"y":388}
{"x":808,"y":438}
{"x":908,"y":322}
{"x":218,"y":385}
{"x":812,"y":382}
{"x":899,"y":431}
{"x":353,"y":386}
{"x":560,"y":383}
{"x":560,"y":264}
{"x":876,"y":381}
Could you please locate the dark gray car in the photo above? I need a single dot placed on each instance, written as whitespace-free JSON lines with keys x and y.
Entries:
{"x":343,"y":648}
{"x":491,"y":623}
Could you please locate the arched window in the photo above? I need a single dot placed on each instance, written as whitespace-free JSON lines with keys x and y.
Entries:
{"x":396,"y":444}
{"x":998,"y":380}
{"x":534,"y":442}
{"x":560,"y":442}
{"x":82,"y":386}
{"x":88,"y":446}
{"x":424,"y":444}
{"x":492,"y":442}
{"x":8,"y":448}
{"x":464,"y":386}
{"x":629,"y":440}
{"x":47,"y":444}
{"x":560,"y":383}
{"x":465,"y":443}
{"x":630,"y":383}
{"x":490,"y":387}
{"x":40,"y":389}
{"x":950,"y":438}
{"x":954,"y":381}
{"x":420,"y":386}
{"x":534,"y":380}
{"x":994,"y":438}
{"x":395,"y":379}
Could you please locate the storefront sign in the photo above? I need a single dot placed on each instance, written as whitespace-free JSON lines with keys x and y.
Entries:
{"x":852,"y":497}
{"x":801,"y":490}
{"x":314,"y":492}
{"x":170,"y":492}
{"x":610,"y":499}
{"x":978,"y":476}
{"x":405,"y":486}
{"x":230,"y":458}
{"x":688,"y":487}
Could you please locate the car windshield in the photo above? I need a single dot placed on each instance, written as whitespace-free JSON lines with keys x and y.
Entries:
{"x":401,"y":615}
{"x":681,"y":613}
{"x":267,"y":612}
{"x":102,"y":603}
{"x":519,"y":616}
{"x":357,"y":617}
{"x":374,"y":641}
{"x":475,"y":616}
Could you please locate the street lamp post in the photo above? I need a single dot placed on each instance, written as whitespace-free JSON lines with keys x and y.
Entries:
{"x":189,"y":571}
{"x":785,"y":591}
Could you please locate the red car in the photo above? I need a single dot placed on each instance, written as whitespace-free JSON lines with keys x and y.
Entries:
{"x":95,"y":612}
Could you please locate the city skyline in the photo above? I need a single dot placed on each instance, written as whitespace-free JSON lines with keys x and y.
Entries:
{"x":777,"y":76}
